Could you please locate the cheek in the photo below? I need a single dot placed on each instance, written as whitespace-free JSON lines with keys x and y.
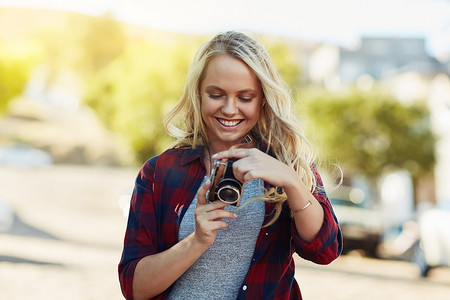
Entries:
{"x":252,"y":113}
{"x":209,"y":108}
{"x":207,"y":111}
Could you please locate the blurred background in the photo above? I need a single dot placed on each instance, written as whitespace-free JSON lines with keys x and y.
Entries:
{"x":84,"y":86}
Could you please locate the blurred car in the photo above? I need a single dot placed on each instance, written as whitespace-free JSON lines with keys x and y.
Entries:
{"x":434,"y":238}
{"x":23,"y":155}
{"x":6,"y":217}
{"x":360,"y":224}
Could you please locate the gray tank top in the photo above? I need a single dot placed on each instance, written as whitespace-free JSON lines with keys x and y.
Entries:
{"x":220,"y":271}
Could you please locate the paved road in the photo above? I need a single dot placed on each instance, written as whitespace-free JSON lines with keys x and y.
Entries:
{"x":67,"y":235}
{"x":355,"y":278}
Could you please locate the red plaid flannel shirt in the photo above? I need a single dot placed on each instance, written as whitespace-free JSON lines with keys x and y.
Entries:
{"x":165,"y":187}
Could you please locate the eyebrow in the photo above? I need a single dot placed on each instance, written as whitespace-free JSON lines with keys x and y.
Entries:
{"x":214,"y":87}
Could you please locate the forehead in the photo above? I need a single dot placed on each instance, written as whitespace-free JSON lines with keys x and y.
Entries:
{"x":228,"y":72}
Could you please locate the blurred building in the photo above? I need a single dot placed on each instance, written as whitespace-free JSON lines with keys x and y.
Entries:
{"x":403,"y":66}
{"x":372,"y":59}
{"x":383,"y":58}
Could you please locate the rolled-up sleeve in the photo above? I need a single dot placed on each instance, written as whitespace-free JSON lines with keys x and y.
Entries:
{"x":140,"y":235}
{"x":327,"y":245}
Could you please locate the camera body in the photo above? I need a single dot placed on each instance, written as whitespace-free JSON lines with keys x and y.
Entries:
{"x":224,"y":186}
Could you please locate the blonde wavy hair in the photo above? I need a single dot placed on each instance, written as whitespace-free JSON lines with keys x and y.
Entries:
{"x":277,"y":127}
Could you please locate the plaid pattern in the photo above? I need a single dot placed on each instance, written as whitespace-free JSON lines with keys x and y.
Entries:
{"x":164,"y":188}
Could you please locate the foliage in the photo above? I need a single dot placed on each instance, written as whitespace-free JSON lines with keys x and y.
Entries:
{"x":369,"y":132}
{"x":286,"y":63}
{"x":84,"y":44}
{"x":14,"y":73}
{"x":100,"y":40}
{"x":132,"y":94}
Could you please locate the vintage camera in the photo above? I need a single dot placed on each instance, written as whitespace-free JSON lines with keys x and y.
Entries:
{"x":224,"y":186}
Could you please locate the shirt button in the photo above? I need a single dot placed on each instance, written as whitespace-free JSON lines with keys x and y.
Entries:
{"x":267,"y":233}
{"x":244,"y":288}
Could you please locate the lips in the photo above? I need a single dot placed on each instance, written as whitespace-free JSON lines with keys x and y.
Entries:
{"x":229,"y":123}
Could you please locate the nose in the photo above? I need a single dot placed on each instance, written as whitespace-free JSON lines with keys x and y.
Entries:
{"x":229,"y":107}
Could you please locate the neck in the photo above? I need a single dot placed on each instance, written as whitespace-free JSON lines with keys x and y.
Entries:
{"x":207,"y":161}
{"x":247,"y":142}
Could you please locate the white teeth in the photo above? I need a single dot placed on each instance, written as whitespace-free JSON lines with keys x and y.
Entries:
{"x":228,"y":123}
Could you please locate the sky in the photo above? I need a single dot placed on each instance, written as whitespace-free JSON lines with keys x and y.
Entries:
{"x":340,"y":22}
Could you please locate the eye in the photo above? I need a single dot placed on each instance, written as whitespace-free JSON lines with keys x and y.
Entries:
{"x":246,"y":96}
{"x":215,"y":96}
{"x":246,"y":99}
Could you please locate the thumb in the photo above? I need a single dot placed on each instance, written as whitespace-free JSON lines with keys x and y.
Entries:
{"x":201,"y":193}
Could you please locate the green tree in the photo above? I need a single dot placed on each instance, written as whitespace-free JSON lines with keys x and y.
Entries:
{"x":286,"y":62}
{"x":367,"y":133}
{"x":14,"y":73}
{"x":132,"y":94}
{"x":83,"y":45}
{"x":99,"y":40}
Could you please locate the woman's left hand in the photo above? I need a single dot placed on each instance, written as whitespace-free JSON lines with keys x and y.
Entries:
{"x":253,"y":163}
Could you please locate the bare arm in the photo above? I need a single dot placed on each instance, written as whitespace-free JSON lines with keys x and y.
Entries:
{"x":155,"y":273}
{"x":308,"y":219}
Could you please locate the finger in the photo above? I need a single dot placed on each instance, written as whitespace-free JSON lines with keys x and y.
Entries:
{"x":210,"y":228}
{"x":244,"y":175}
{"x":214,"y":205}
{"x":201,"y":193}
{"x":235,"y":153}
{"x":219,"y":214}
{"x":218,"y":225}
{"x":250,"y":175}
{"x":213,"y":212}
{"x":201,"y":199}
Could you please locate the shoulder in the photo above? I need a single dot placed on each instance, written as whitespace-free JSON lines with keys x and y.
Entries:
{"x":169,"y":154}
{"x":173,"y":158}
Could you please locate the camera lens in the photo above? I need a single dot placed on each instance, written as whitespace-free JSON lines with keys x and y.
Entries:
{"x":228,"y":194}
{"x":225,"y":186}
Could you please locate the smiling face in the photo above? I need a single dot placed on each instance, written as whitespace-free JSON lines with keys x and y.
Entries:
{"x":231,"y":101}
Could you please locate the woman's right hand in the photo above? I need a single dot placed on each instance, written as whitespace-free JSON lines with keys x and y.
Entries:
{"x":155,"y":273}
{"x":208,"y":217}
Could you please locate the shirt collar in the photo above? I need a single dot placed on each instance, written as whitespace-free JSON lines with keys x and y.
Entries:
{"x":192,"y":154}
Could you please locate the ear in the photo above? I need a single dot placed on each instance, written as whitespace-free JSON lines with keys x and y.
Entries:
{"x":263,"y":102}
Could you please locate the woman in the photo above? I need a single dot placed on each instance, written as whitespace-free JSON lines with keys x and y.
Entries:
{"x":178,"y":245}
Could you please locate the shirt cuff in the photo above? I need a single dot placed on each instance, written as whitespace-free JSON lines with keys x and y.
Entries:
{"x":326,"y":237}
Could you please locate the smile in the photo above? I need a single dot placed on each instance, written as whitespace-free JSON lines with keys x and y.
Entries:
{"x":229,"y":123}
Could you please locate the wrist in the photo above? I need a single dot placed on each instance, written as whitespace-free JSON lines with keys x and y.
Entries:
{"x":298,"y":196}
{"x":198,"y":243}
